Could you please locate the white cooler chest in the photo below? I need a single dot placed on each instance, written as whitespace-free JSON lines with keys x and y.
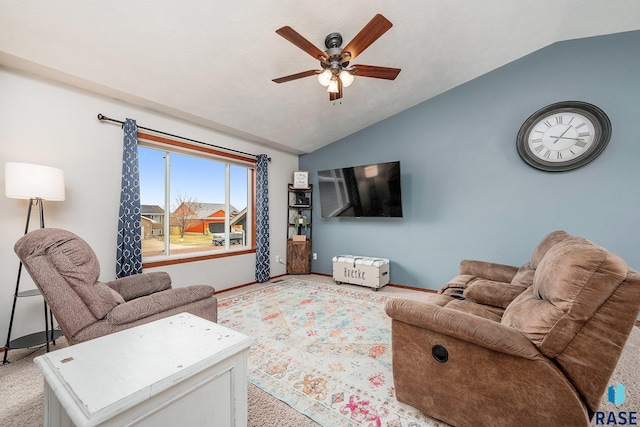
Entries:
{"x":359,"y":270}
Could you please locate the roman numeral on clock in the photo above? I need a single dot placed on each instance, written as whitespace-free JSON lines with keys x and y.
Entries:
{"x":581,"y":144}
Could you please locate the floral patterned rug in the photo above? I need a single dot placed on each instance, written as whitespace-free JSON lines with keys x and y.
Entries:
{"x":323,"y":349}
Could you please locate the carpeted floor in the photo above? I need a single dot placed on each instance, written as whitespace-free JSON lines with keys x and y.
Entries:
{"x":21,"y":384}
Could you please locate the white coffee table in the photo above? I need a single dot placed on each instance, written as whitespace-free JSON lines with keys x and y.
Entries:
{"x":180,"y":371}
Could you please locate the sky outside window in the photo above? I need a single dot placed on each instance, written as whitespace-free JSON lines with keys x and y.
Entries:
{"x":192,"y":177}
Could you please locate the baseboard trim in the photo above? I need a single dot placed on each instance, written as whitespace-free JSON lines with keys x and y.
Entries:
{"x":246,"y":284}
{"x":412,"y":288}
{"x":322,"y":274}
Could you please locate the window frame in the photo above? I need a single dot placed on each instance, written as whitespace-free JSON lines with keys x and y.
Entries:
{"x":163,"y":143}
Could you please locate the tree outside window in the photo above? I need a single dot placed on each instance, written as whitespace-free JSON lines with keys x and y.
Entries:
{"x":192,"y":203}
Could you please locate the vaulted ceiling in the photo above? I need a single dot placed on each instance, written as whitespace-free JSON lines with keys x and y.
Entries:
{"x":212,"y":62}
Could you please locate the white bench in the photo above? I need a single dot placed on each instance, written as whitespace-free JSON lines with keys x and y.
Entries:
{"x":359,"y":270}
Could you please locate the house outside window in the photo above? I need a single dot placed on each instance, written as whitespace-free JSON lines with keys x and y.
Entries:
{"x":194,"y":203}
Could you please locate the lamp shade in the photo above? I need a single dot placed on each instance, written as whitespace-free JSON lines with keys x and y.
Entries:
{"x":371,"y":171}
{"x":325,"y":77}
{"x":333,"y":86}
{"x":346,"y":77}
{"x":29,"y":181}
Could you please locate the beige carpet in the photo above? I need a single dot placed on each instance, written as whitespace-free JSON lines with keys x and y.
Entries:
{"x":21,"y":384}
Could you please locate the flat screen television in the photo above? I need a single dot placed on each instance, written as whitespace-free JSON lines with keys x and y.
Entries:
{"x":361,"y":191}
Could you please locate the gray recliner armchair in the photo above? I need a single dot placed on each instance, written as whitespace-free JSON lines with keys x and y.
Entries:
{"x":66,"y":270}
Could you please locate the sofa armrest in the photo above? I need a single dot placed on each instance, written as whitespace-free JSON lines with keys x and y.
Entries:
{"x":488,"y":270}
{"x":146,"y":306}
{"x":139,"y":285}
{"x":496,"y":294}
{"x":464,"y":326}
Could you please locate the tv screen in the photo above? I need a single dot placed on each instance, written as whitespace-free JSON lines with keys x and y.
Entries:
{"x":361,"y":191}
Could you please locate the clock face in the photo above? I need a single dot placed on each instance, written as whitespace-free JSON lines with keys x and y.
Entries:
{"x":563,"y":136}
{"x":560,"y":137}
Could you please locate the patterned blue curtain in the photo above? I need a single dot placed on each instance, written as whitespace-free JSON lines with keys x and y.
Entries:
{"x":129,"y":251}
{"x":263,"y":268}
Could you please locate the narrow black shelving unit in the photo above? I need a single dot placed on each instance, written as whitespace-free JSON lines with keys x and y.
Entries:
{"x":299,"y":230}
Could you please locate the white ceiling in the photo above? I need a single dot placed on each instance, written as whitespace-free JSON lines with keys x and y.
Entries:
{"x":211,"y":62}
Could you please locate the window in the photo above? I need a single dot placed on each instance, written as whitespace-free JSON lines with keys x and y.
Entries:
{"x":195,"y":202}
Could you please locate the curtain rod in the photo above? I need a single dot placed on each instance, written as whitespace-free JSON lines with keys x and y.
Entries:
{"x":102,"y":117}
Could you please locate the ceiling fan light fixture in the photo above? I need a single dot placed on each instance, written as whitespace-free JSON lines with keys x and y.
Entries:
{"x":336,"y":72}
{"x":324,"y":78}
{"x":333,"y":86}
{"x":347,"y":78}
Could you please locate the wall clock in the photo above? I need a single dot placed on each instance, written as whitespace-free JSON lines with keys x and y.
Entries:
{"x":563,"y":136}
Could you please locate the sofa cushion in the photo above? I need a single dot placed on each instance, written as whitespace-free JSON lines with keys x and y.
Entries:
{"x":100,"y":299}
{"x":572,"y":281}
{"x":74,"y":259}
{"x":76,"y":262}
{"x":149,"y":305}
{"x":524,"y":276}
{"x":457,"y":284}
{"x":547,"y":243}
{"x":489,"y":292}
{"x":457,"y":302}
{"x":138,"y":285}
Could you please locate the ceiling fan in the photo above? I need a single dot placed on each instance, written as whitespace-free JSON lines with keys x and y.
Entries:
{"x":336,"y":72}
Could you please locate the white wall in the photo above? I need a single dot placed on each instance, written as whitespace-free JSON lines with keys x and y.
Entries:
{"x":47,"y":123}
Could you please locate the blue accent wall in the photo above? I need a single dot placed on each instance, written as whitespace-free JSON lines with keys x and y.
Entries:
{"x":467,"y":193}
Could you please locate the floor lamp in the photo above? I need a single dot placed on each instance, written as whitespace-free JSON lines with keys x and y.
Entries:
{"x":35,"y":183}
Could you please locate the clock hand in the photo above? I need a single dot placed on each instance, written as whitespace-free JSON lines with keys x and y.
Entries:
{"x":558,"y":137}
{"x":566,"y":137}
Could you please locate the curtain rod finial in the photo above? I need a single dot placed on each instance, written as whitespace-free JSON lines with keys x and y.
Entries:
{"x":100,"y":116}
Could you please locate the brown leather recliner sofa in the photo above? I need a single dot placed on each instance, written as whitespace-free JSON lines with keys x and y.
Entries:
{"x":507,"y":346}
{"x":66,"y":270}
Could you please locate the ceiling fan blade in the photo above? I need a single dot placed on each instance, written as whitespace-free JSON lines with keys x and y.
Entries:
{"x":376,"y":72}
{"x":294,"y":37}
{"x":297,"y":76}
{"x":338,"y":95}
{"x":370,"y":33}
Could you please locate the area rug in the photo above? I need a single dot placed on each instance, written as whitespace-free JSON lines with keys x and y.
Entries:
{"x":323,"y":349}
